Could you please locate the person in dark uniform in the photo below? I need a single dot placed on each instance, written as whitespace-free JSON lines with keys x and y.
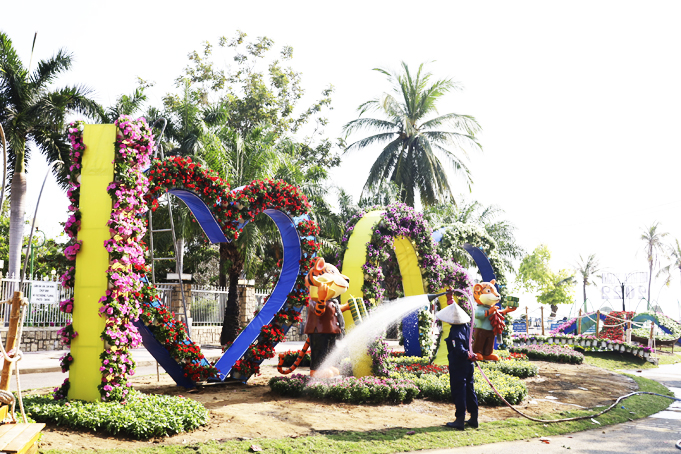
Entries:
{"x":460,"y":366}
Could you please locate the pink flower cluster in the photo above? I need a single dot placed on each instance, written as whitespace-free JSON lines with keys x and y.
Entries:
{"x":121,"y":304}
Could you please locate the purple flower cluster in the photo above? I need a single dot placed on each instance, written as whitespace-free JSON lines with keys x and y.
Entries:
{"x":403,"y":221}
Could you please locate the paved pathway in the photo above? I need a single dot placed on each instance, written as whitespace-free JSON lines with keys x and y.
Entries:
{"x":656,"y":434}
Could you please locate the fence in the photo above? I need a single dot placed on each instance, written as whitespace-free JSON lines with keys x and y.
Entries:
{"x":41,"y":311}
{"x":207,"y":303}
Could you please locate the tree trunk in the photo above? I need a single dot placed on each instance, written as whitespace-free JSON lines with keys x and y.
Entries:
{"x":584,"y":287}
{"x":16,"y":224}
{"x":230,"y":323}
{"x":650,"y":279}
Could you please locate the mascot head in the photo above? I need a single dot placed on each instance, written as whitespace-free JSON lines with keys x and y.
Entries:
{"x":325,"y":282}
{"x":485,"y":293}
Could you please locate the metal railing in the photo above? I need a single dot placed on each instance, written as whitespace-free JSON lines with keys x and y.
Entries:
{"x":207,"y":307}
{"x":38,"y":314}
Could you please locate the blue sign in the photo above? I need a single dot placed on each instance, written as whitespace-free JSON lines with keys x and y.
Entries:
{"x":519,"y":326}
{"x":554,"y":326}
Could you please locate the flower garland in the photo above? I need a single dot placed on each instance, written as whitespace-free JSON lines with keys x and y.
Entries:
{"x":232,"y":210}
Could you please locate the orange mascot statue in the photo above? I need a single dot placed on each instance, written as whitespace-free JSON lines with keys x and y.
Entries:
{"x":489,"y":320}
{"x":325,"y":324}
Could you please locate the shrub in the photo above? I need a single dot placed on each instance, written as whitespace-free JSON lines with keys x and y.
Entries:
{"x":436,"y":387}
{"x":553,"y":353}
{"x":365,"y":390}
{"x":395,"y":361}
{"x":142,"y":416}
{"x":520,"y":369}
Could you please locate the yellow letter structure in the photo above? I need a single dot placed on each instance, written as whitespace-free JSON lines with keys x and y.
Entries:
{"x":92,"y":261}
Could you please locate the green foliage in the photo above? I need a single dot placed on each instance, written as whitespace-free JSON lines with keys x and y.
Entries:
{"x":142,"y":416}
{"x":479,"y":226}
{"x":408,"y":360}
{"x":534,"y":274}
{"x":520,"y":369}
{"x":552,"y":353}
{"x":414,"y":140}
{"x":365,"y":390}
{"x":437,"y":387}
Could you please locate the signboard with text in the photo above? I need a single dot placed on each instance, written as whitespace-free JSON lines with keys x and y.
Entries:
{"x":44,"y":292}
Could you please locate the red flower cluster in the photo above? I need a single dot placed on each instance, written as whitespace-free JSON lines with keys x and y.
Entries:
{"x":613,"y":328}
{"x":234,"y":208}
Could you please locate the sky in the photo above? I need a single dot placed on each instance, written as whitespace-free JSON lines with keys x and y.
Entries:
{"x":578,"y":101}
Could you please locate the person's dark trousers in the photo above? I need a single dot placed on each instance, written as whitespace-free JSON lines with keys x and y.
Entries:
{"x":463,"y":392}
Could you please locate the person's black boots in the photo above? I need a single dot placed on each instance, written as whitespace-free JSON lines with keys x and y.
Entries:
{"x":458,"y":424}
{"x":473,"y":422}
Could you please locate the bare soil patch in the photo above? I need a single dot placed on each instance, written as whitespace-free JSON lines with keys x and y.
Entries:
{"x":252,"y":411}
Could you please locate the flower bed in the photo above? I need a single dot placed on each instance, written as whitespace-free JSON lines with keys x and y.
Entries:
{"x":365,"y":390}
{"x":673,"y":327}
{"x":586,"y":342}
{"x":516,"y":368}
{"x":553,"y":353}
{"x":144,"y":416}
{"x":437,"y":387}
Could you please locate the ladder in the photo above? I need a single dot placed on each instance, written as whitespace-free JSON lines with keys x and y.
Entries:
{"x":171,"y":230}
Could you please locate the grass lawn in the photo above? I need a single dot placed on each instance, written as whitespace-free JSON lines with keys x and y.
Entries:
{"x":397,"y":440}
{"x":615,"y":361}
{"x":624,"y":361}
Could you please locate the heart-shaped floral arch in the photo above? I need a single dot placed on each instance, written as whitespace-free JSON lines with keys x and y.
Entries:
{"x":132,"y":310}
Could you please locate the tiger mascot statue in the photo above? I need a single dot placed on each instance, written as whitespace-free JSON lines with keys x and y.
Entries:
{"x":325,"y":324}
{"x":489,"y":320}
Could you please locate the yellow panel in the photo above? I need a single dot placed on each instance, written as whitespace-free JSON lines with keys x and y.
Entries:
{"x":355,"y":257}
{"x":92,"y":261}
{"x":412,"y":280}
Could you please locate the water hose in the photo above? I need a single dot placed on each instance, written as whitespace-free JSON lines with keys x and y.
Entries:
{"x":577,"y":418}
{"x":531,"y":418}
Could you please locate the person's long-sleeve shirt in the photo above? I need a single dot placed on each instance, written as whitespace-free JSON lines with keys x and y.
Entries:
{"x":457,"y":342}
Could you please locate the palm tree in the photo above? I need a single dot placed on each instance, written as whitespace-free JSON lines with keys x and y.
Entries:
{"x":415,"y":144}
{"x":240,"y":160}
{"x":32,"y":113}
{"x":675,"y":264}
{"x":587,"y":269}
{"x":653,"y":245}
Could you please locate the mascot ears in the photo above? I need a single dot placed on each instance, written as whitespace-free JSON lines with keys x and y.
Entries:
{"x":319,"y":266}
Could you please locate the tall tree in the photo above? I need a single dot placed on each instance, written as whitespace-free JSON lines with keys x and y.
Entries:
{"x":260,"y":95}
{"x":674,"y":257}
{"x":33,"y":113}
{"x":535,"y":274}
{"x":415,"y":142}
{"x":587,"y":269}
{"x":652,"y":238}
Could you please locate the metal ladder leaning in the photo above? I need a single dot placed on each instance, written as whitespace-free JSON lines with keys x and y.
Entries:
{"x":152,"y":231}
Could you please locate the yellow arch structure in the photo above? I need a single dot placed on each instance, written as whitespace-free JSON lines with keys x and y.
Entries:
{"x":412,"y":280}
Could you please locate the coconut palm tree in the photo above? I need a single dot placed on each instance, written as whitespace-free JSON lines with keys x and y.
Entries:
{"x":414,"y":142}
{"x":587,"y":270}
{"x":674,"y":251}
{"x":652,"y":238}
{"x":33,"y":113}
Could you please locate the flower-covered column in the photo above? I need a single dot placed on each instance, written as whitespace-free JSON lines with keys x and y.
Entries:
{"x":92,"y":261}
